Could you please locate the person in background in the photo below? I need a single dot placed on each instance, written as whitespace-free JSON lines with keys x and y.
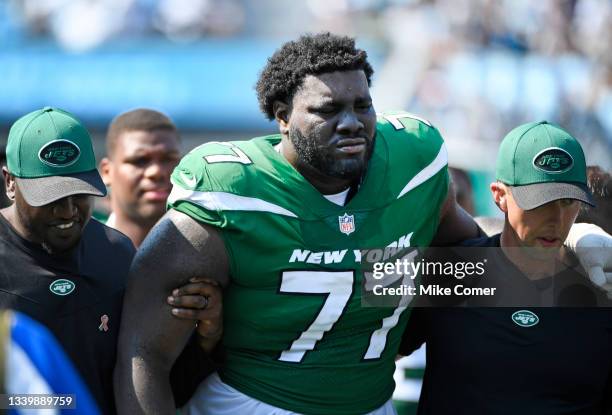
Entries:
{"x":143,"y":147}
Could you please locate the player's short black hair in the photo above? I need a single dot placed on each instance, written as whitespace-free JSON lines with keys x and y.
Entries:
{"x":311,"y":54}
{"x":140,"y":119}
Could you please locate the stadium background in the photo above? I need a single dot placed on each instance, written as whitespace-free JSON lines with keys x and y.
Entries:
{"x":475,"y":68}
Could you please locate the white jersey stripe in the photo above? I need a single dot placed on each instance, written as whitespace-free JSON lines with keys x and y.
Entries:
{"x":223,"y":201}
{"x":428,"y":172}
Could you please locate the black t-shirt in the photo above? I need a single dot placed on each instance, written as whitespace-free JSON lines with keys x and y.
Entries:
{"x":481,"y":361}
{"x":77,"y":295}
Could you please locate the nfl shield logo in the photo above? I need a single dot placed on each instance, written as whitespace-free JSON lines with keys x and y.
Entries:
{"x":346,"y":223}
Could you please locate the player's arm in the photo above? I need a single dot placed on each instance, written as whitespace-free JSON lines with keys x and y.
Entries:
{"x":415,"y":333}
{"x":456,"y":224}
{"x":176,"y":250}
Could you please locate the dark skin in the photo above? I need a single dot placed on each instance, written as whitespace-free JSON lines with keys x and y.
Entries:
{"x":334,"y":110}
{"x":57,"y":226}
{"x":147,"y":352}
{"x":43,"y":225}
{"x":138,"y":174}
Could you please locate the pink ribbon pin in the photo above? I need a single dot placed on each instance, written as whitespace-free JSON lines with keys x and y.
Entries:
{"x":104,"y":325}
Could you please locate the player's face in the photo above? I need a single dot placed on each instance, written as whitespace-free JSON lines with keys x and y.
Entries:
{"x":57,"y":226}
{"x":139,"y":173}
{"x":546,"y":226}
{"x":332,"y":124}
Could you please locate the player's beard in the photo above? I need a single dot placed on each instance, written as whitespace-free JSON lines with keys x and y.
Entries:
{"x":321,"y":158}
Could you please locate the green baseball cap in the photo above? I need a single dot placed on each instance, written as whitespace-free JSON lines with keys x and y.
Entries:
{"x":51,"y":155}
{"x":541,"y":163}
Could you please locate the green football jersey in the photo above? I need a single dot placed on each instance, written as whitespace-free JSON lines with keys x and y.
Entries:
{"x":296,"y":333}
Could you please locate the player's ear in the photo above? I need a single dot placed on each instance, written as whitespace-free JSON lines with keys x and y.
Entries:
{"x":9,"y":183}
{"x":105,"y":170}
{"x":281,"y":114}
{"x":500,"y":195}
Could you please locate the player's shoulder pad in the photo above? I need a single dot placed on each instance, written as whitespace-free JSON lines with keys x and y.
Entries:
{"x":411,"y":140}
{"x":217,"y":166}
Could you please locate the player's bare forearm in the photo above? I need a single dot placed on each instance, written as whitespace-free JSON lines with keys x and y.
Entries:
{"x":137,"y":390}
{"x":151,"y":338}
{"x":456,"y":224}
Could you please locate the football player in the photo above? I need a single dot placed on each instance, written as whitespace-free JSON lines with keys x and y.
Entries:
{"x":290,"y":224}
{"x":286,"y":223}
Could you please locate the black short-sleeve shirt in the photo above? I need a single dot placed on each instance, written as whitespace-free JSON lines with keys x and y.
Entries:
{"x":77,"y":295}
{"x":480,"y":361}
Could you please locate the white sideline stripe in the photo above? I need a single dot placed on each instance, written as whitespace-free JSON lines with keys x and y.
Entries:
{"x":225,"y":201}
{"x":428,"y":172}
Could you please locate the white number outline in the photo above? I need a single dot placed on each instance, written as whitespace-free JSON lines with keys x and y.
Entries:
{"x":395,"y":119}
{"x":378,"y":339}
{"x":337,"y":286}
{"x":338,"y":289}
{"x":239,"y":156}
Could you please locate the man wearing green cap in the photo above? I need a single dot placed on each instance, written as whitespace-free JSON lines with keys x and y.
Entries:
{"x":58,"y":266}
{"x":542,"y":163}
{"x":56,"y":263}
{"x":539,"y":350}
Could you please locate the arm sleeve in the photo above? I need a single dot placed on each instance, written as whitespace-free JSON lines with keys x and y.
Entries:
{"x":193,"y":193}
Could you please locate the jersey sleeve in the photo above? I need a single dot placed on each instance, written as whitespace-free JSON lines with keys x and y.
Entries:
{"x":199,"y":192}
{"x":417,"y":154}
